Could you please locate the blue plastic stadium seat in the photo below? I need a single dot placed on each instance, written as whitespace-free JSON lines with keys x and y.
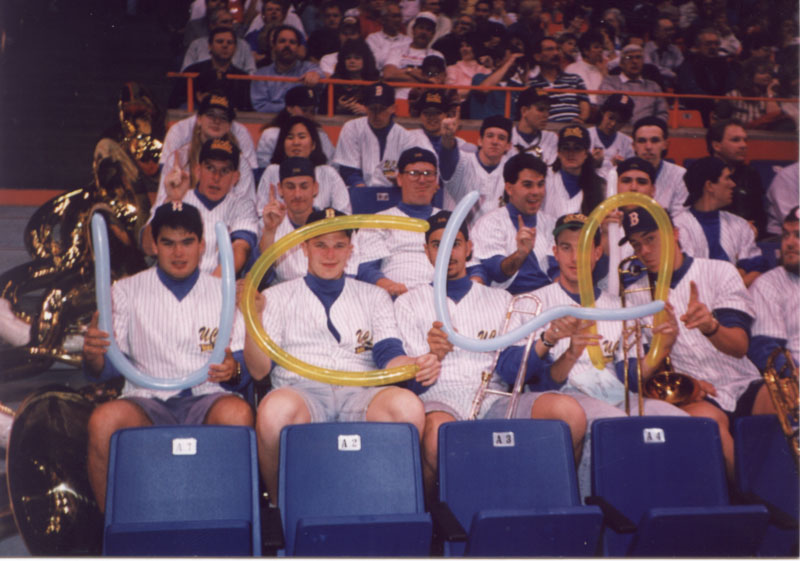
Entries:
{"x":666,"y":477}
{"x":766,"y":471}
{"x":512,"y":485}
{"x":182,"y":491}
{"x":370,"y":200}
{"x":352,"y":489}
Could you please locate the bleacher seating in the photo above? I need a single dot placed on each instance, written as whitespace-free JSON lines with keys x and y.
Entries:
{"x":661,"y":484}
{"x":766,"y":472}
{"x":352,"y":489}
{"x":182,"y":491}
{"x":512,"y":485}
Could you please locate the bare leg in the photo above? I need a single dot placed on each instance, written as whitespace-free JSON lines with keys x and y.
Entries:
{"x":397,"y":405}
{"x":278,"y":409}
{"x":706,"y":409}
{"x":106,"y":419}
{"x":563,"y":408}
{"x":763,"y":404}
{"x":430,"y":450}
{"x":230,"y":410}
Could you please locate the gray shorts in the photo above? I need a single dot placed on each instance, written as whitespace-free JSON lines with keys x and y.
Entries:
{"x":187,"y":410}
{"x":523,"y":410}
{"x":327,"y":403}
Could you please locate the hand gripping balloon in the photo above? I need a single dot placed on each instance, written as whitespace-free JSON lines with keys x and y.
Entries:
{"x":102,"y":273}
{"x":483,"y":345}
{"x":278,"y":355}
{"x":657,"y":351}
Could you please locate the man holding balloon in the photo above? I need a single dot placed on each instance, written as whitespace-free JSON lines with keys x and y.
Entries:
{"x":166,"y":320}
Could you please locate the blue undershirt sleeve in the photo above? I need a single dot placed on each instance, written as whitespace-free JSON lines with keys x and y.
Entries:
{"x":537,"y":373}
{"x":492,"y":266}
{"x":448,"y":160}
{"x":734,"y":318}
{"x":387,"y":349}
{"x":351,"y":176}
{"x":370,"y":271}
{"x":761,"y":347}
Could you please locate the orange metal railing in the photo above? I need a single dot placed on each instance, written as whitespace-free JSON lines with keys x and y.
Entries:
{"x":507,"y":89}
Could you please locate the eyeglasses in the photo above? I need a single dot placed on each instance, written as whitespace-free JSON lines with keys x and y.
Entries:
{"x":420,"y":173}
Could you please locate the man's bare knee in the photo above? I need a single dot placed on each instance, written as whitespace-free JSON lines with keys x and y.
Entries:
{"x":230,"y":410}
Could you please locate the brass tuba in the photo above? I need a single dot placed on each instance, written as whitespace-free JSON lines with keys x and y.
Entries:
{"x":487,"y":375}
{"x":783,"y":389}
{"x":666,"y":384}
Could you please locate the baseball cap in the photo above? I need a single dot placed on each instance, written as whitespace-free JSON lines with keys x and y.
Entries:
{"x":433,"y":64}
{"x":322,"y":214}
{"x":631,"y":48}
{"x":177,"y":215}
{"x":379,"y":94}
{"x":216,"y":100}
{"x":300,"y":96}
{"x":697,"y":173}
{"x":414,"y":155}
{"x":532,"y":96}
{"x":439,"y":221}
{"x":294,"y":167}
{"x":432,"y":99}
{"x":574,"y":133}
{"x":220,"y":149}
{"x":425,"y":16}
{"x":621,"y":103}
{"x":574,"y":222}
{"x":350,"y":21}
{"x":637,"y":220}
{"x":793,"y":215}
{"x":497,"y":121}
{"x":637,"y":163}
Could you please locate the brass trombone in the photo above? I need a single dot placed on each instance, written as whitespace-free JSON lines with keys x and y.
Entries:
{"x":666,"y":384}
{"x":783,"y":389}
{"x":486,"y":375}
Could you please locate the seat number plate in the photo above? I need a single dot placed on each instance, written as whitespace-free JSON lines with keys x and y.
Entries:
{"x":653,"y":436}
{"x":349,"y":442}
{"x":502,"y":439}
{"x":184,"y":446}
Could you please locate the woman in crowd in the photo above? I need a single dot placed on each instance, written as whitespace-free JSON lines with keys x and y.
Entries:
{"x":355,"y":62}
{"x":468,"y":65}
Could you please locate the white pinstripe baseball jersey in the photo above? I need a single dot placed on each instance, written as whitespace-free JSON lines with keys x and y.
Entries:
{"x":735,"y":236}
{"x":584,"y":377}
{"x":782,"y":196}
{"x":776,"y":300}
{"x":402,"y":253}
{"x":671,"y":191}
{"x":181,"y":133}
{"x":165,"y":337}
{"x":622,"y":147}
{"x":269,"y":138}
{"x":245,"y":187}
{"x":546,"y":142}
{"x":469,"y":176}
{"x":495,"y":234}
{"x":293,"y":263}
{"x":235,"y":213}
{"x":479,"y":314}
{"x":719,"y":286}
{"x":557,"y":201}
{"x":358,"y":148}
{"x":296,"y":320}
{"x":332,"y":190}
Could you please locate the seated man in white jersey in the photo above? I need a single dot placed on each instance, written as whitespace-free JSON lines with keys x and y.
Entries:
{"x":335,"y":321}
{"x":395,"y":260}
{"x":713,"y":312}
{"x":369,"y":147}
{"x":710,"y":232}
{"x":529,"y":134}
{"x":513,"y":242}
{"x":482,"y":171}
{"x":478,"y":312}
{"x":776,"y":301}
{"x":213,"y":197}
{"x":165,"y":320}
{"x":610,"y":146}
{"x":650,"y":142}
{"x":561,"y":345}
{"x":283,"y":214}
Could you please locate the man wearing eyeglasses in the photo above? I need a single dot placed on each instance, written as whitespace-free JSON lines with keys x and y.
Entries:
{"x":631,"y":80}
{"x":395,"y":260}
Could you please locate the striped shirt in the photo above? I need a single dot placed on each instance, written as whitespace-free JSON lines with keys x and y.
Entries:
{"x":735,"y":236}
{"x":164,"y":337}
{"x":332,"y":190}
{"x":671,"y":191}
{"x":544,"y":145}
{"x":776,"y":299}
{"x":470,"y":175}
{"x":564,"y":107}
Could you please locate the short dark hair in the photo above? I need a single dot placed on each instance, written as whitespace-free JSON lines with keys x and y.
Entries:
{"x":317,"y":156}
{"x":177,"y":216}
{"x":518,"y":162}
{"x":716,"y":132}
{"x":651,"y":122}
{"x":277,"y":31}
{"x":217,"y":30}
{"x":586,"y":39}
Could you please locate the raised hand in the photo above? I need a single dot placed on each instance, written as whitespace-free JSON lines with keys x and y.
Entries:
{"x":274,"y":210}
{"x":177,"y":181}
{"x":526,"y":237}
{"x":697,"y":315}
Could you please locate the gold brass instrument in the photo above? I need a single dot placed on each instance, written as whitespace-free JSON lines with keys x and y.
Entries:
{"x":666,"y":384}
{"x":487,"y":375}
{"x":783,"y":389}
